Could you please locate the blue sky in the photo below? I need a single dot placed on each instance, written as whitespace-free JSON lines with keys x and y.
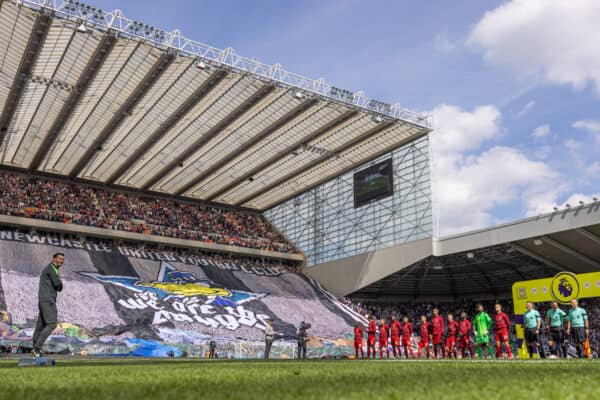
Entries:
{"x":514,"y":87}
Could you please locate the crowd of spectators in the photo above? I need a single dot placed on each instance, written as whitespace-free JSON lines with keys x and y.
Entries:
{"x":283,"y":265}
{"x":59,"y":201}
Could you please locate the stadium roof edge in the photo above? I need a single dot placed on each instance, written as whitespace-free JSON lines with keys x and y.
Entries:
{"x":485,"y":260}
{"x":540,"y":225}
{"x":174,"y":41}
{"x":115,"y":102}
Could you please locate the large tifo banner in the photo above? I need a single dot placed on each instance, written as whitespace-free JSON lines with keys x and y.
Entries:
{"x":123,"y":301}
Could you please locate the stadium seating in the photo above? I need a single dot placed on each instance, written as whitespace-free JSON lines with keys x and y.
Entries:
{"x":59,"y":201}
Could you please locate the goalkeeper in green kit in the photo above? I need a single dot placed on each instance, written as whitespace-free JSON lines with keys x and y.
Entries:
{"x":481,"y":325}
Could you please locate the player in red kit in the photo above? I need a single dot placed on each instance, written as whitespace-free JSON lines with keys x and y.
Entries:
{"x":371,"y":330}
{"x":437,"y":330}
{"x":395,"y":329}
{"x":502,"y":327}
{"x":453,"y":328}
{"x":424,"y":331}
{"x":358,"y":344}
{"x":383,"y":338}
{"x":407,"y":331}
{"x":464,"y":332}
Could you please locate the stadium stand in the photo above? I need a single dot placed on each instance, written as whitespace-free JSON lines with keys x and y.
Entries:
{"x":138,"y":299}
{"x":69,"y":203}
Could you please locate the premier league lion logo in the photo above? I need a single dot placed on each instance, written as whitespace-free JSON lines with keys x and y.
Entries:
{"x":565,"y":288}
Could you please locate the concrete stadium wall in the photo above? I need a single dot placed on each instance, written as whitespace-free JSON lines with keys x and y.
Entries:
{"x":347,"y":275}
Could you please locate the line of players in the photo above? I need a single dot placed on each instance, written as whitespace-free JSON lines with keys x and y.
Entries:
{"x":457,"y":334}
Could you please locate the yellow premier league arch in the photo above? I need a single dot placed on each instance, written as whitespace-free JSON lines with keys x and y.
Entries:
{"x":563,"y":288}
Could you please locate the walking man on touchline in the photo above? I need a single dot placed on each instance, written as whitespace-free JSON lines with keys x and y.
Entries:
{"x":50,"y":285}
{"x":269,"y":336}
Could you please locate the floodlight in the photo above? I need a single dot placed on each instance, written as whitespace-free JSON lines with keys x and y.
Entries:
{"x":470,"y":255}
{"x":538,"y":242}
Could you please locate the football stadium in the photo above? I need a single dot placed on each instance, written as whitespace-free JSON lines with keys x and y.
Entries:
{"x":178,"y":221}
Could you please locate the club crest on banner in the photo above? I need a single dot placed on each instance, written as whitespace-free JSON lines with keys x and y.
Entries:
{"x":174,"y":283}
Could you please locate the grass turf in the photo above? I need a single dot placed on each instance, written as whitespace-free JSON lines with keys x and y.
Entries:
{"x":134,"y":379}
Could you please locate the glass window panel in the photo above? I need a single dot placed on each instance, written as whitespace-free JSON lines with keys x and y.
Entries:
{"x":325,"y":225}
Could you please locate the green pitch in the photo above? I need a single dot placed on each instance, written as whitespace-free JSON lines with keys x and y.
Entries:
{"x":134,"y":379}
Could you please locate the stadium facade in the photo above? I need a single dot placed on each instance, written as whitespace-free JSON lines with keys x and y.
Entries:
{"x":327,"y":226}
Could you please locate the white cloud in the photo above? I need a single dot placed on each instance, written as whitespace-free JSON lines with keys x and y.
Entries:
{"x":556,"y":40}
{"x":542,"y":152}
{"x":443,"y":44}
{"x":573,"y":200}
{"x":468,"y":186}
{"x":526,"y":108}
{"x":458,"y":130}
{"x":572,"y":145}
{"x":541,"y":131}
{"x":589,"y":125}
{"x":593,"y":169}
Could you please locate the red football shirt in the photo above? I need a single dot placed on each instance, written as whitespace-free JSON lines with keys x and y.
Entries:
{"x":407,"y":330}
{"x":437,"y":325}
{"x":465,"y":327}
{"x":358,"y":333}
{"x":372,"y":328}
{"x":383,"y":331}
{"x":501,"y":321}
{"x":424,"y":330}
{"x":395,"y":328}
{"x":453,"y":328}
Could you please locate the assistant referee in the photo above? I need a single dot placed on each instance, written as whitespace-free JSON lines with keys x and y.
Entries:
{"x":533,"y":321}
{"x":50,"y":285}
{"x":578,"y":326}
{"x":555,"y":324}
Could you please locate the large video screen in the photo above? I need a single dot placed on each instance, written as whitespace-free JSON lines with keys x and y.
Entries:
{"x":373,"y":183}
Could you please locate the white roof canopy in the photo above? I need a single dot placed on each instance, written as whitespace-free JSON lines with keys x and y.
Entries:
{"x":92,"y":95}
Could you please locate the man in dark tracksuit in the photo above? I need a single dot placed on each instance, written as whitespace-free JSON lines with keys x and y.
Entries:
{"x":212,"y":349}
{"x":302,"y":339}
{"x":50,"y":284}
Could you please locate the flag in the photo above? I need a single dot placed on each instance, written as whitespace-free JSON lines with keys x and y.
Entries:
{"x":586,"y":349}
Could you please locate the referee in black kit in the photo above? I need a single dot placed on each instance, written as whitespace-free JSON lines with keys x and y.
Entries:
{"x":50,"y":284}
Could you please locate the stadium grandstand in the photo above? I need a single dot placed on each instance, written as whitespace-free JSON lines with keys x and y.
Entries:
{"x":148,"y":159}
{"x":198,"y":195}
